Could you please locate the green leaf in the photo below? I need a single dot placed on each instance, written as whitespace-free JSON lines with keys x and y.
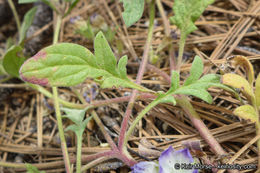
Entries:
{"x":2,"y":71}
{"x":27,"y":21}
{"x":32,"y":169}
{"x":210,"y":78}
{"x":27,"y":1}
{"x":200,"y":93}
{"x":105,"y":56}
{"x":165,"y":98}
{"x":193,"y":86}
{"x":133,"y":11}
{"x":244,"y":62}
{"x":75,"y":115}
{"x":9,"y":43}
{"x":13,"y":59}
{"x":50,"y":66}
{"x":75,"y":128}
{"x":237,"y":81}
{"x":175,"y":81}
{"x":257,"y":91}
{"x":187,"y":12}
{"x":122,"y":67}
{"x":72,"y":5}
{"x":246,"y":112}
{"x":196,"y":71}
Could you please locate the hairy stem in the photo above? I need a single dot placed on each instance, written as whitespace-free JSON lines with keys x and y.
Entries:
{"x":57,"y":107}
{"x":97,"y":155}
{"x":61,"y":132}
{"x":79,"y":145}
{"x":185,"y":104}
{"x":202,"y":128}
{"x":16,"y":17}
{"x":137,"y":119}
{"x":57,"y":29}
{"x":141,"y":70}
{"x":181,"y":50}
{"x":48,"y":94}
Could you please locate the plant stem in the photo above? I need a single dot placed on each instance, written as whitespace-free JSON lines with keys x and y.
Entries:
{"x":48,"y":94}
{"x":124,"y":125}
{"x":185,"y":104}
{"x":79,"y":145}
{"x":137,"y":119}
{"x":57,"y":29}
{"x":61,"y":132}
{"x":57,"y":107}
{"x":16,"y":17}
{"x":181,"y":50}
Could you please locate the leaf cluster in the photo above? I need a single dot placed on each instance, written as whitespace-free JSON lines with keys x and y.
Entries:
{"x":195,"y":85}
{"x":77,"y":117}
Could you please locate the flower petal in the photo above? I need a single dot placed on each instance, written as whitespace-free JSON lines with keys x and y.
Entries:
{"x":145,"y":167}
{"x":169,"y":158}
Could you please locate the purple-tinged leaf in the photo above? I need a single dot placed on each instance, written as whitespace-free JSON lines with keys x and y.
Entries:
{"x":68,"y":64}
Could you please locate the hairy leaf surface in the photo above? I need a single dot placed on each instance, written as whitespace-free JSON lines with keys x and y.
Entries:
{"x":196,"y":71}
{"x":77,"y":116}
{"x":239,"y":82}
{"x":133,"y":11}
{"x":246,"y":112}
{"x":187,"y":12}
{"x":245,"y":63}
{"x":68,"y":64}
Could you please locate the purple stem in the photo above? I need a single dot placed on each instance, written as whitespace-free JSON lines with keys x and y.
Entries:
{"x":139,"y":77}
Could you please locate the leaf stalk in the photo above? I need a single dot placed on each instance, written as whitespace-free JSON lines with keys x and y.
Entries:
{"x":16,"y":17}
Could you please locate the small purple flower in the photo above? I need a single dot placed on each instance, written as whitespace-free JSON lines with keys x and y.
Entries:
{"x":145,"y":167}
{"x":167,"y":163}
{"x":169,"y":158}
